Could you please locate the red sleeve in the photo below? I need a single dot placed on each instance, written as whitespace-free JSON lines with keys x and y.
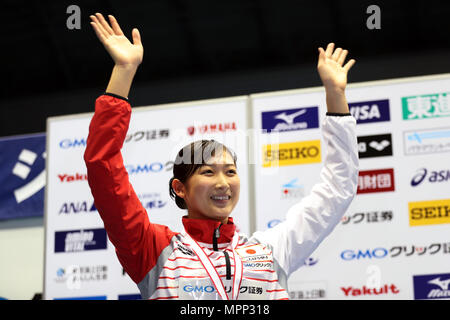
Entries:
{"x":138,"y":242}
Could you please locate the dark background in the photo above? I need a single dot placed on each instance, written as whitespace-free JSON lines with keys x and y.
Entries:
{"x":201,"y":49}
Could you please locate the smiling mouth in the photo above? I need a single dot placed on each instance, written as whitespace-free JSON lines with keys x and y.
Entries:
{"x":221,"y":198}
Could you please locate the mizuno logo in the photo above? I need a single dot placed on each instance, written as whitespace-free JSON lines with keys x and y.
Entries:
{"x":289,"y":119}
{"x":443,"y":284}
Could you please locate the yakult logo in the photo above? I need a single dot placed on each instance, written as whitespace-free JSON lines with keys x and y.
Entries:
{"x":65,"y":177}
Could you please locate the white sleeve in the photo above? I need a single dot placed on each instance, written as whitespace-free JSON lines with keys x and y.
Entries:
{"x":315,"y":216}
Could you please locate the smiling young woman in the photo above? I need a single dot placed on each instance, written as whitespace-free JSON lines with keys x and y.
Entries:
{"x":210,"y":259}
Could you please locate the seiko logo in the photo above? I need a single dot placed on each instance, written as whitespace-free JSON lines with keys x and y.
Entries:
{"x":429,"y":212}
{"x":292,"y":153}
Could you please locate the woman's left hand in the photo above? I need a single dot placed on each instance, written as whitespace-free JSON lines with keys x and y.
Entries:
{"x":330,"y":67}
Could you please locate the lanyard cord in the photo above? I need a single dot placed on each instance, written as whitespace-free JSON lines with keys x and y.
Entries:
{"x":211,"y":270}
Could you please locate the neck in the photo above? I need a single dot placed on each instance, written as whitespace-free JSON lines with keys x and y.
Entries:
{"x":192,"y":215}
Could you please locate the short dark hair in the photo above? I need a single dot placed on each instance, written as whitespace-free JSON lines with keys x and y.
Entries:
{"x":190,"y":158}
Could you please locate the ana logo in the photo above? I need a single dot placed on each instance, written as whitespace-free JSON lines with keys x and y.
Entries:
{"x":381,"y":180}
{"x":432,"y":286}
{"x":426,"y":141}
{"x":77,"y":207}
{"x":290,"y":119}
{"x":429,"y":212}
{"x":212,"y":128}
{"x":433,"y":176}
{"x":370,"y":111}
{"x":375,"y":146}
{"x":377,"y":253}
{"x":364,"y":291}
{"x":287,"y":154}
{"x":80,"y":240}
{"x":72,"y":177}
{"x":426,"y":106}
{"x":72,"y":143}
{"x":292,"y":190}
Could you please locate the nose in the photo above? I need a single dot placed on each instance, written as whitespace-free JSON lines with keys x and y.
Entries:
{"x":222,"y":181}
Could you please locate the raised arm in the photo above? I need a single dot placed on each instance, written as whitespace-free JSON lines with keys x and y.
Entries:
{"x":138,"y":242}
{"x":127,"y":56}
{"x":334,"y":77}
{"x":315,"y":216}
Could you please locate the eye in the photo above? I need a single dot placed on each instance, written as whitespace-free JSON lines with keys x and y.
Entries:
{"x":232,"y":171}
{"x":206,"y":171}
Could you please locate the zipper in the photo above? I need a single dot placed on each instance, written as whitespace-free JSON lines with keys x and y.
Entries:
{"x":216,"y":236}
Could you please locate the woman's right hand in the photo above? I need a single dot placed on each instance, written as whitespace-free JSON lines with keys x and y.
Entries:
{"x":123,"y":52}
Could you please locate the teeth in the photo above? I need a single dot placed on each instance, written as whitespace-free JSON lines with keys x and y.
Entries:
{"x":220,"y":197}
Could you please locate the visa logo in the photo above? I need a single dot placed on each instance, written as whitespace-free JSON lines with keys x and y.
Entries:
{"x":370,"y":111}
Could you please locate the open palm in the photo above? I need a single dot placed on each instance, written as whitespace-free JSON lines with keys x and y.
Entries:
{"x":122,"y":51}
{"x":330,"y":67}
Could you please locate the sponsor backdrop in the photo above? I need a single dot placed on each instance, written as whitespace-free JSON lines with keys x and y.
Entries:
{"x":80,"y":262}
{"x":392,"y":243}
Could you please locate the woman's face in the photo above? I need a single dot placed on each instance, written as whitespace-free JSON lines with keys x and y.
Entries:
{"x":212,"y":191}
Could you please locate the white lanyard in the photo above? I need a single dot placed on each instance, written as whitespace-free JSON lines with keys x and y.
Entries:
{"x":212,"y":272}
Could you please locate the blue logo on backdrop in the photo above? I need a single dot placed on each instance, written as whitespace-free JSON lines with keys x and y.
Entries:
{"x":370,"y":111}
{"x":72,"y":143}
{"x":290,"y":119}
{"x":377,"y":253}
{"x":80,"y":240}
{"x":77,"y":207}
{"x":432,"y":177}
{"x":148,"y":167}
{"x":432,"y":286}
{"x":136,"y":296}
{"x":83,"y":298}
{"x":22,"y":176}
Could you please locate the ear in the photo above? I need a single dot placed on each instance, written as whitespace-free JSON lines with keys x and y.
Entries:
{"x":178,"y":188}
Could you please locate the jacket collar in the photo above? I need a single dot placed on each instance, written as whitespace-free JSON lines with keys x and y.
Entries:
{"x":202,"y":230}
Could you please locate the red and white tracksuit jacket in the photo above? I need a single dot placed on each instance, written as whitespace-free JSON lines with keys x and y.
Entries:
{"x":161,"y":261}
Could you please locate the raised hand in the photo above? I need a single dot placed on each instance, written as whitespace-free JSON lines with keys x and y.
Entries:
{"x":330,"y":67}
{"x":121,"y":50}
